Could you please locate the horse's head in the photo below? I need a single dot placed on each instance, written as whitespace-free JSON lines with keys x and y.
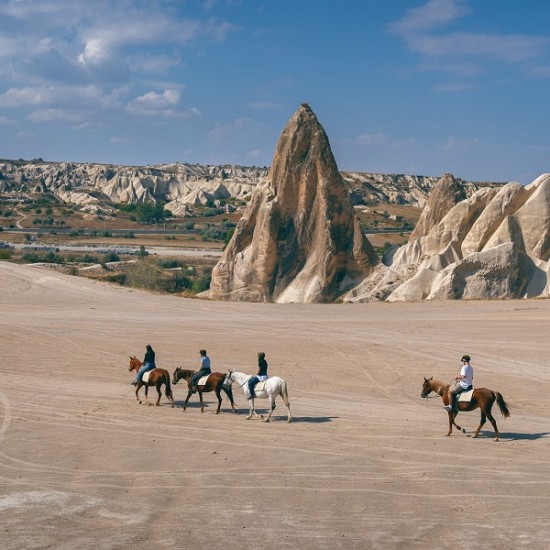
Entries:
{"x":426,"y":387}
{"x":176,"y":375}
{"x":228,"y":380}
{"x":180,"y":373}
{"x":135,"y":364}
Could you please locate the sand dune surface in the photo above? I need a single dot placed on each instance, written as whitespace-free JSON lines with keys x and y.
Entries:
{"x":365,"y":463}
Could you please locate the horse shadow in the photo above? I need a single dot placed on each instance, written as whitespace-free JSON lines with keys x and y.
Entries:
{"x":191,"y":405}
{"x":313,"y":419}
{"x":516,"y":436}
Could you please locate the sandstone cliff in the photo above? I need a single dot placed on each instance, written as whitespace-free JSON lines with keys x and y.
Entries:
{"x":298,"y":241}
{"x":494,"y":244}
{"x":184,"y":186}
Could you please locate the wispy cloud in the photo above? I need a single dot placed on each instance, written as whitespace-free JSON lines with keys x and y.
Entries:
{"x":434,"y":13}
{"x":428,"y":31}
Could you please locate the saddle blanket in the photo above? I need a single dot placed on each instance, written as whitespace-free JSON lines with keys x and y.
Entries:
{"x":145,"y":377}
{"x":466,"y":396}
{"x":259,"y":386}
{"x":202,"y":380}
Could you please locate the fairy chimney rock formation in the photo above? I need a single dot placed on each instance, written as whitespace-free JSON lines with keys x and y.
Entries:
{"x":298,"y":240}
{"x":446,"y":193}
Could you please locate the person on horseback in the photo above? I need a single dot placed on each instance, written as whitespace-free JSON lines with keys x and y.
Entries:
{"x":202,"y":371}
{"x":463,"y":382}
{"x":148,"y":364}
{"x":260,"y":376}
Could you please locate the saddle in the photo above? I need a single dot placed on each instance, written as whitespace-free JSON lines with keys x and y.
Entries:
{"x":466,"y":396}
{"x":203,"y":379}
{"x":145,"y":377}
{"x":260,"y":386}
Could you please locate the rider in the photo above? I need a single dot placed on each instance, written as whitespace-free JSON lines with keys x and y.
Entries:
{"x":463,"y":382}
{"x":202,"y":371}
{"x":260,"y":376}
{"x":148,"y":364}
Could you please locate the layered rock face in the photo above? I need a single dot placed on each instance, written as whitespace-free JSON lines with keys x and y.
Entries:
{"x":298,"y":241}
{"x":183,"y":186}
{"x":494,"y":244}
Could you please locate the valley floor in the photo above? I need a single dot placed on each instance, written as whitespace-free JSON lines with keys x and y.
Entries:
{"x":365,"y":463}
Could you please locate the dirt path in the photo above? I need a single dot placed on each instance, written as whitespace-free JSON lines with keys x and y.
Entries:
{"x":365,"y":464}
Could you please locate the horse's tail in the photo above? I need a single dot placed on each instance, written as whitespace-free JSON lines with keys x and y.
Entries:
{"x":284,"y":393}
{"x":502,"y":405}
{"x":168,"y":386}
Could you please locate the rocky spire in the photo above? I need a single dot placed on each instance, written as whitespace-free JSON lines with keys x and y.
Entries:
{"x":446,"y":193}
{"x":299,"y":240}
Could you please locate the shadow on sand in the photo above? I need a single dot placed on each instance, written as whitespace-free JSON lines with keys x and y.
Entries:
{"x":513,"y":436}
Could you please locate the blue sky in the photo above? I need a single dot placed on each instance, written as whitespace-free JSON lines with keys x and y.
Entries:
{"x":403,"y":86}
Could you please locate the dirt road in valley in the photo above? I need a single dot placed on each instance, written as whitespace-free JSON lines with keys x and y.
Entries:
{"x":365,"y":464}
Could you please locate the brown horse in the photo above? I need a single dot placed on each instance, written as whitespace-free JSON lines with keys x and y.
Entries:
{"x":214,"y":383}
{"x":482,"y":398}
{"x":157,"y":377}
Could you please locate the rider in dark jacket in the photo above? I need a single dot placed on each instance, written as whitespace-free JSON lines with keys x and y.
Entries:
{"x":260,"y":376}
{"x":148,"y":364}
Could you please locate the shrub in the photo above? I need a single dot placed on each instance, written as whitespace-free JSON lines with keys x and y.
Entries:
{"x":145,"y":275}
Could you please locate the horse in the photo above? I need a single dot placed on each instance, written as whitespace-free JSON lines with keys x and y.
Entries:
{"x":274,"y":386}
{"x":214,"y":383}
{"x":482,"y":398}
{"x":157,"y":377}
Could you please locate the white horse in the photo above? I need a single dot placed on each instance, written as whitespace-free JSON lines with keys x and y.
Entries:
{"x":274,"y":386}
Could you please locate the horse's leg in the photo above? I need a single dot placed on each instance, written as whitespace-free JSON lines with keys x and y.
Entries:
{"x":494,"y":423}
{"x":219,"y":396}
{"x":202,"y":402}
{"x":451,"y":421}
{"x":456,"y":425}
{"x":146,"y":392}
{"x":251,"y":410}
{"x":229,"y":393}
{"x":159,"y":384}
{"x":481,"y":422}
{"x":137,"y":390}
{"x":189,"y":394}
{"x":271,"y":408}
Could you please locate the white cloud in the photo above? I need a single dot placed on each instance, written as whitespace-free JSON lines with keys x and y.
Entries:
{"x":372,"y":139}
{"x":434,"y":13}
{"x":507,"y":48}
{"x":5,"y":121}
{"x":422,"y":30}
{"x":453,"y":143}
{"x":49,"y":115}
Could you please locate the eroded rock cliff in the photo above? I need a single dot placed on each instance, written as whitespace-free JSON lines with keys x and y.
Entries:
{"x":298,"y":240}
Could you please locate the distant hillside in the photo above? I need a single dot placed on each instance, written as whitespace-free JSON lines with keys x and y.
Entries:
{"x":182,"y":186}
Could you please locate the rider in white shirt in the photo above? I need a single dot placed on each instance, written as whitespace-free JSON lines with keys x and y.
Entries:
{"x":463,"y":382}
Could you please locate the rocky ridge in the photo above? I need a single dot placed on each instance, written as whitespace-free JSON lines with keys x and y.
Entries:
{"x":298,"y":240}
{"x":494,"y":244}
{"x":183,"y":186}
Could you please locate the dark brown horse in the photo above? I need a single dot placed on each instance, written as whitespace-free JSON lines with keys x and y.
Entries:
{"x":214,"y":383}
{"x":157,"y":377}
{"x":482,"y":398}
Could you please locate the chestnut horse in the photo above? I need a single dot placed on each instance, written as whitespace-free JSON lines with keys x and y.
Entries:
{"x":157,"y":377}
{"x":214,"y":383}
{"x":482,"y":398}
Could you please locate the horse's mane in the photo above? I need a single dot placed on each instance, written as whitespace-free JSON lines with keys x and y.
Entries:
{"x":440,"y":384}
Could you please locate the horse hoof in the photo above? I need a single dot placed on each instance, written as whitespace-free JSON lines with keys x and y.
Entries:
{"x":289,"y":420}
{"x":463,"y":430}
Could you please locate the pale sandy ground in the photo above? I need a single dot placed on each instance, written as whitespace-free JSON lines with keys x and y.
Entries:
{"x":365,"y":464}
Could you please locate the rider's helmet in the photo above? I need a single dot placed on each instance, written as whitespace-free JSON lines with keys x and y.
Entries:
{"x":465,"y":359}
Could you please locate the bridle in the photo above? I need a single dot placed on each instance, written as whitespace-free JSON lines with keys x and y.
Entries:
{"x":230,"y":382}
